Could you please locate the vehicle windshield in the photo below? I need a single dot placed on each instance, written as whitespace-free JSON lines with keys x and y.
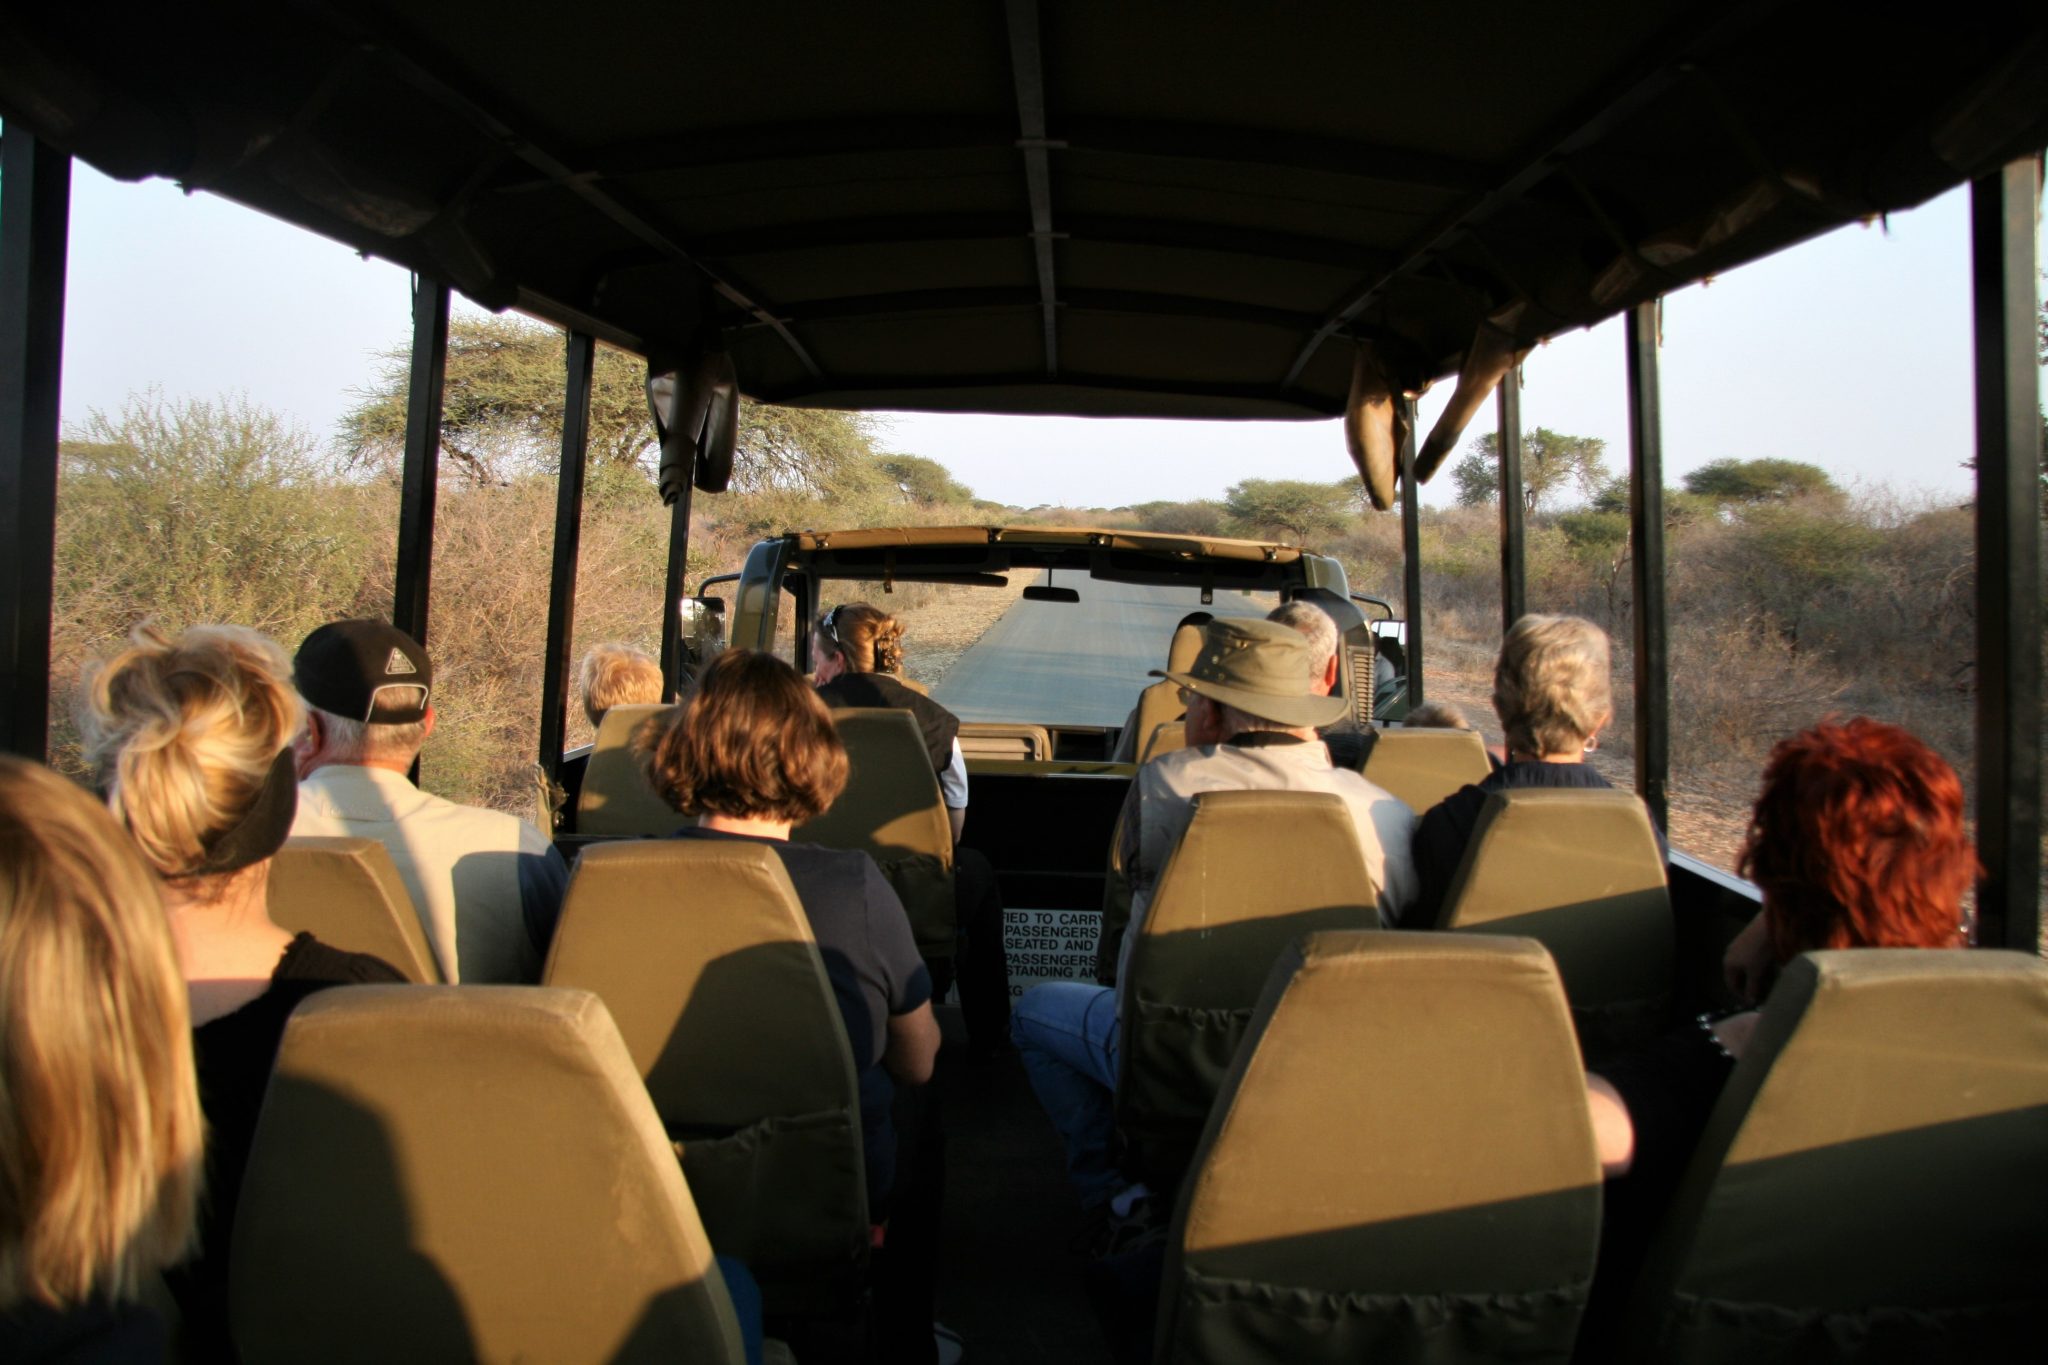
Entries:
{"x":992,"y":654}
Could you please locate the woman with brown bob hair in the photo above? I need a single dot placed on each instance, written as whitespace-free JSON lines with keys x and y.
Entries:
{"x":100,"y":1133}
{"x":1856,"y":841}
{"x":752,"y":753}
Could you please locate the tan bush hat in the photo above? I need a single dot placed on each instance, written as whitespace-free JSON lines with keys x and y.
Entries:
{"x":1261,"y":668}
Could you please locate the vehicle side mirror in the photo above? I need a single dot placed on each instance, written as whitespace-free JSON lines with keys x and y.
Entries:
{"x":703,"y":632}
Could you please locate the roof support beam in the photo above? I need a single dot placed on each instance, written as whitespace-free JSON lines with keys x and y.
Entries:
{"x":35,"y":218}
{"x":1514,"y":566}
{"x":1411,"y":556}
{"x":2002,"y":266}
{"x":1646,"y":564}
{"x":554,"y":683}
{"x":1028,"y":65}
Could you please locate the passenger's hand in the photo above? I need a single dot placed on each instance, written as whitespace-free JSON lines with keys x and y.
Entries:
{"x":1747,"y":966}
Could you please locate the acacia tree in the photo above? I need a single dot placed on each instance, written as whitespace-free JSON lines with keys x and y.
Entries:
{"x":1298,"y":508}
{"x":924,"y":482}
{"x":1551,"y":462}
{"x":502,"y":416}
{"x":1755,"y":481}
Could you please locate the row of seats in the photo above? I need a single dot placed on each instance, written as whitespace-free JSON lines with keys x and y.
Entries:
{"x":1576,"y":871}
{"x":1400,"y":1166}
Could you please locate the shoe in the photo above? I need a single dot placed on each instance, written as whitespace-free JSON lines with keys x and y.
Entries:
{"x":951,"y":1348}
{"x":1120,"y":1234}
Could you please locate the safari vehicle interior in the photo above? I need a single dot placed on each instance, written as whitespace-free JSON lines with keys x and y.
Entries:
{"x":1046,"y":207}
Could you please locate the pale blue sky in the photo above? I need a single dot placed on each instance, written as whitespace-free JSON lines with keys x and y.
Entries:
{"x":1852,"y":352}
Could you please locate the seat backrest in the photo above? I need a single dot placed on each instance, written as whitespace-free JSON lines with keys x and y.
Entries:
{"x":347,"y":893}
{"x":702,"y":953}
{"x":993,"y":739}
{"x":467,"y":1173}
{"x":1424,"y":766}
{"x":1166,"y":738}
{"x":1160,"y":702}
{"x":1579,"y":871}
{"x":615,"y":798}
{"x":1874,"y":1174}
{"x":1218,"y":919}
{"x":1371,"y":1188}
{"x":891,"y":810}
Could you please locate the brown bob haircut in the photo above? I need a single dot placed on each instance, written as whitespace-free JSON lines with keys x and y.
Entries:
{"x":752,"y":741}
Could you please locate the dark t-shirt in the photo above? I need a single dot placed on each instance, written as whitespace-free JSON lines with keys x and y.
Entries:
{"x":96,"y":1333}
{"x":1441,"y":837}
{"x":856,"y":691}
{"x":235,"y":1054}
{"x":871,"y":960}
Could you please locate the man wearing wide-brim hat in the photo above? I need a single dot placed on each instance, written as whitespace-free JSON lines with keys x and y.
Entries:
{"x":1253,"y":708}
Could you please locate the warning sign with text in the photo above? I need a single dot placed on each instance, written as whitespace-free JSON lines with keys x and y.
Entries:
{"x":1050,"y":945}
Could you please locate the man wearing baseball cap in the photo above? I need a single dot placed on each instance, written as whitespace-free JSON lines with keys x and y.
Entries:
{"x":1254,"y":703}
{"x":488,"y":886}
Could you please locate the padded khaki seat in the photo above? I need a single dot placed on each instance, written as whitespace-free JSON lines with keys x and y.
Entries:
{"x":615,"y":799}
{"x":1160,"y":702}
{"x":992,"y":739}
{"x":702,"y":953}
{"x":1370,"y":1187}
{"x":1423,"y":766}
{"x":1579,"y":871}
{"x":1874,"y":1181}
{"x":467,"y":1173}
{"x":1224,"y":910}
{"x":347,"y":893}
{"x":1168,"y":738}
{"x":891,"y":810}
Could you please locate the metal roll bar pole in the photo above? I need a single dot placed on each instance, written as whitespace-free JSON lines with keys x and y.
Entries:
{"x":2002,"y":266}
{"x":420,"y":477}
{"x":1646,"y":559}
{"x":35,"y":214}
{"x":1514,"y":581}
{"x":1411,"y":555}
{"x":678,"y":562}
{"x":554,"y":686}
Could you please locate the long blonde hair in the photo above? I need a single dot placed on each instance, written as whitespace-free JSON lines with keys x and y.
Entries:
{"x":101,"y":1141}
{"x":182,"y":733}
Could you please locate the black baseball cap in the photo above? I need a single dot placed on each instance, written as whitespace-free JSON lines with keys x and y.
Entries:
{"x":364,"y":670}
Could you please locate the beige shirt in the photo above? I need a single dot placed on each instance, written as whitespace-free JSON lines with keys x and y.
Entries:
{"x":480,"y":879}
{"x":1162,"y":802}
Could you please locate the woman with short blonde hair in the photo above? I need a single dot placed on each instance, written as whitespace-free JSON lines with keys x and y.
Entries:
{"x":617,"y":675}
{"x":100,"y":1131}
{"x":191,"y":740}
{"x":1552,"y":692}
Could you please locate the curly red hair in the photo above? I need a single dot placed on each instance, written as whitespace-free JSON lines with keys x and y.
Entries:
{"x":1857,"y":842}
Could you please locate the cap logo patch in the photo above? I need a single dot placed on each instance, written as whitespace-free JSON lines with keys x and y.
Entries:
{"x":398,"y":664}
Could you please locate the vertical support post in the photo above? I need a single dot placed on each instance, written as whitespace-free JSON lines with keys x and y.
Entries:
{"x":419,"y":483}
{"x":1514,"y":560}
{"x":1646,"y":558}
{"x":2002,"y":265}
{"x":35,"y":213}
{"x":1411,"y":553}
{"x":554,"y":686}
{"x":678,"y":557}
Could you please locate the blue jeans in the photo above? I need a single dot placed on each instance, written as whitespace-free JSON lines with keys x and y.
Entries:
{"x":1066,"y":1036}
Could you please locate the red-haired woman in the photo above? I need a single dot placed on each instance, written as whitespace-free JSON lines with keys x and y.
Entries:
{"x":1856,"y":841}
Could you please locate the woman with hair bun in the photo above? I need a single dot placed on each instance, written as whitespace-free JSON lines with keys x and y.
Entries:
{"x":100,"y":1132}
{"x":858,"y":653}
{"x":190,"y":741}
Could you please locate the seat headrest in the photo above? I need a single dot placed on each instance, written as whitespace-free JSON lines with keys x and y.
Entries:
{"x":615,"y":798}
{"x":1187,"y":644}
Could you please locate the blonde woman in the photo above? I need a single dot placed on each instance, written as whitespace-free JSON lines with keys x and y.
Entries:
{"x":190,"y":740}
{"x":100,"y":1133}
{"x":1552,"y":692}
{"x":617,"y":675}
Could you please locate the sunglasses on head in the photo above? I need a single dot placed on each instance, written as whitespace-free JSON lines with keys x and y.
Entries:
{"x":829,"y":627}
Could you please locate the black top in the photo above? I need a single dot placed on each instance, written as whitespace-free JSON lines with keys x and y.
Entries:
{"x":871,"y":960}
{"x":234,"y":1054}
{"x":97,"y":1333}
{"x":857,"y":691}
{"x":1441,"y":837}
{"x":1670,"y":1087}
